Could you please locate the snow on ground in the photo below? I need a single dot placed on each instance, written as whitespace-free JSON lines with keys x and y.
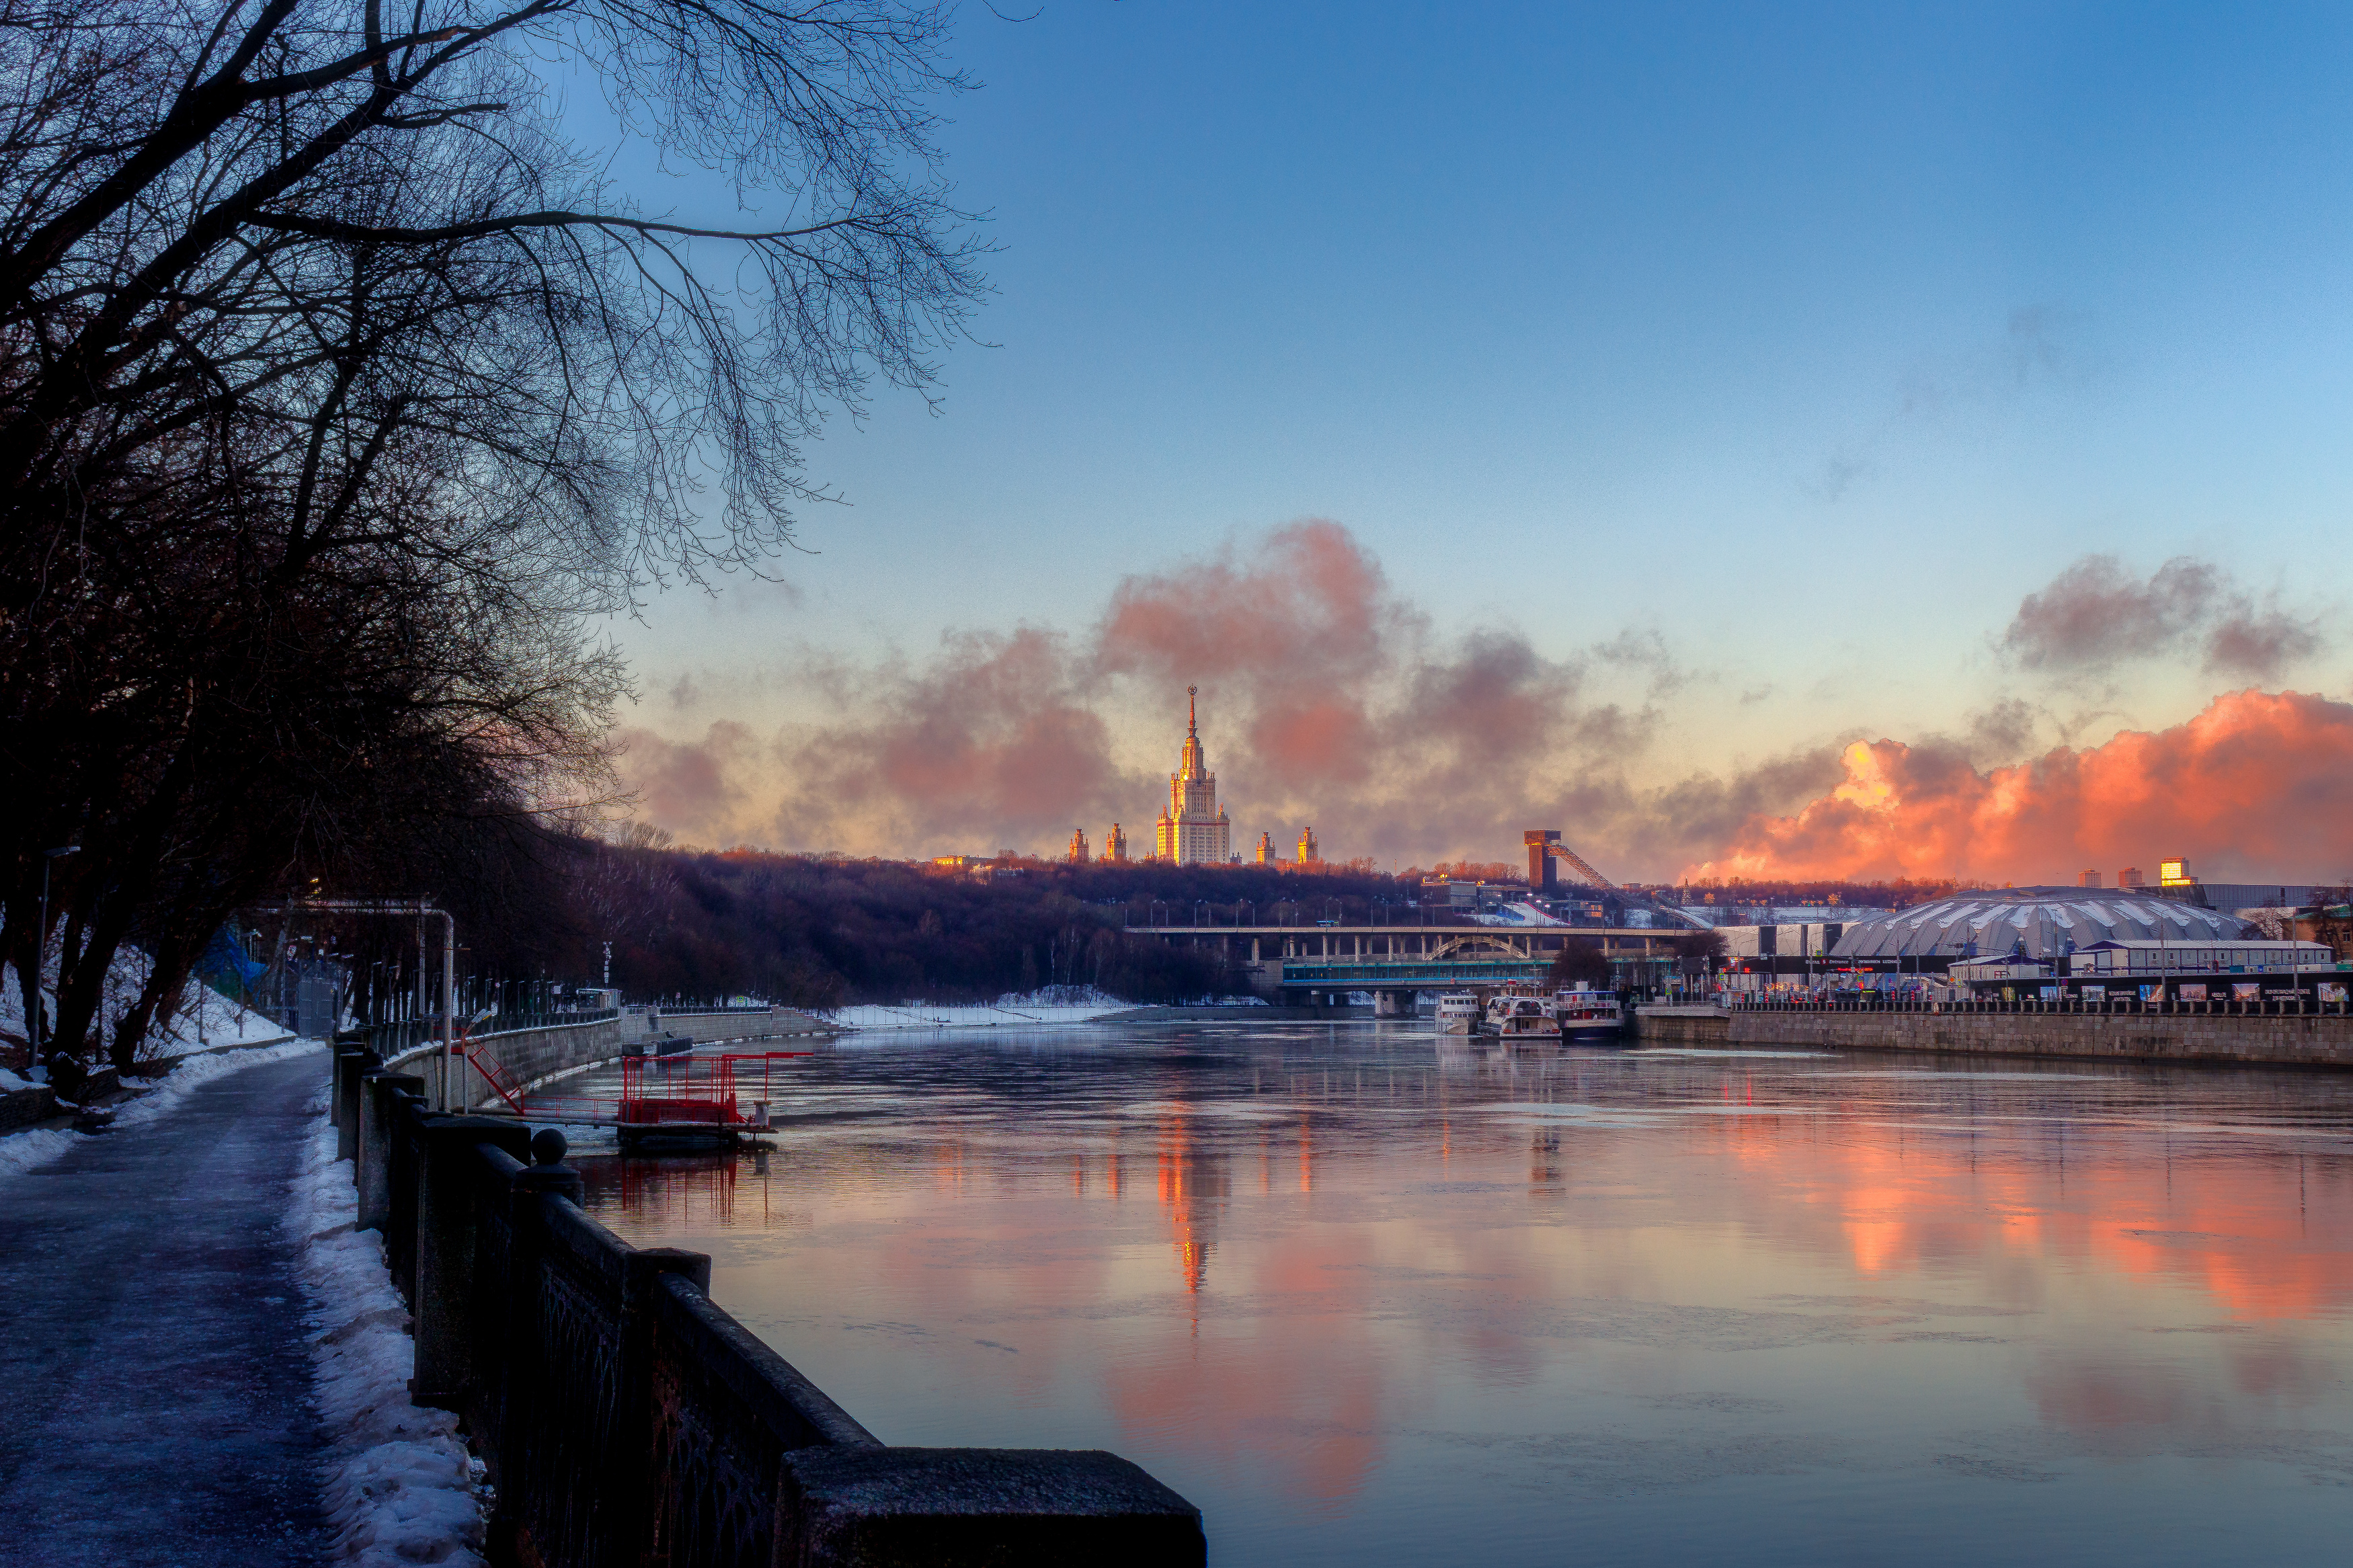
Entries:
{"x":205,"y":1018}
{"x":196,"y":1071}
{"x":400,"y":1486}
{"x":1053,"y":1004}
{"x":26,"y":1151}
{"x":924,"y":1015}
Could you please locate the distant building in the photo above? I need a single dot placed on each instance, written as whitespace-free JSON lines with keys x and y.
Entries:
{"x":2090,"y":879}
{"x":1078,"y":845}
{"x":1308,"y":855}
{"x":1194,"y":830}
{"x":2175,"y":874}
{"x":1115,"y":847}
{"x":2130,"y":877}
{"x":1266,"y":848}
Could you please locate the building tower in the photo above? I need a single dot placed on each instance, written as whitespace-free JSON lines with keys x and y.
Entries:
{"x":1194,"y":828}
{"x":1266,"y":848}
{"x":2129,"y":878}
{"x":1307,"y":847}
{"x":1078,"y":845}
{"x":1115,"y":847}
{"x":2091,"y":879}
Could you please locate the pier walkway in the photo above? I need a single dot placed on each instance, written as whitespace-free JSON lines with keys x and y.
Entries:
{"x":151,"y":1359}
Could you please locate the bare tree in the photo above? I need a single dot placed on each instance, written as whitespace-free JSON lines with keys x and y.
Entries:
{"x":336,"y":381}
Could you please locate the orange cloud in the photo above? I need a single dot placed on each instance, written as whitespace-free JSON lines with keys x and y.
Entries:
{"x":2256,"y":786}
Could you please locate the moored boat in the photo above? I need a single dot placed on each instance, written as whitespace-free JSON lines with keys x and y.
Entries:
{"x":1578,"y":1011}
{"x":1517,"y":1015}
{"x":1458,"y":1013}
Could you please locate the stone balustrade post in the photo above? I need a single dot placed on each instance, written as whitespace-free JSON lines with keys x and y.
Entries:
{"x":522,"y":1375}
{"x":448,"y":1185}
{"x":372,"y":1149}
{"x":631,"y":1482}
{"x":353,"y":1064}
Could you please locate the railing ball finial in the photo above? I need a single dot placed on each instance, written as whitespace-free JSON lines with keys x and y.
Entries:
{"x":547,"y":1147}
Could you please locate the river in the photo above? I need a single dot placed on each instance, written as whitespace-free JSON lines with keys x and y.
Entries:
{"x":1369,"y":1298}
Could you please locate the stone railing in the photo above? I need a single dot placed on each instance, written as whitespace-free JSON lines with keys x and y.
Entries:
{"x":625,"y":1420}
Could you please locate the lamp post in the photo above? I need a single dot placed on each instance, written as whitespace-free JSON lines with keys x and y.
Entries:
{"x":41,"y":961}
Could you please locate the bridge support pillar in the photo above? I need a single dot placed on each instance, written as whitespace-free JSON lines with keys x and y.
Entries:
{"x":1392,"y":1004}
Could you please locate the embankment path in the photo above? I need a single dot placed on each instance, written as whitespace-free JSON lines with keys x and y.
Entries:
{"x":152,"y":1363}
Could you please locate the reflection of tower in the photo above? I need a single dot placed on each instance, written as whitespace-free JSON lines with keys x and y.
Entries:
{"x":1266,"y":848}
{"x":1307,"y":851}
{"x":1194,"y":1184}
{"x":1078,"y":845}
{"x":1115,"y":847}
{"x":1194,"y":828}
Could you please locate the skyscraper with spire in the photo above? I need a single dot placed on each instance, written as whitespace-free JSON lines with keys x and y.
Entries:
{"x":1194,"y":828}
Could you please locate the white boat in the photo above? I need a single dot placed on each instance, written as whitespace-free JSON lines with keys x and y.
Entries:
{"x":1458,"y":1013}
{"x":1581,"y":1010}
{"x":1517,"y":1015}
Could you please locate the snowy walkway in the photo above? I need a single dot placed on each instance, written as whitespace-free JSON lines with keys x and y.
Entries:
{"x":157,"y":1391}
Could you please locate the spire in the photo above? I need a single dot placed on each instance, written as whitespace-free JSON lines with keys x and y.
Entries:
{"x":1191,"y":766}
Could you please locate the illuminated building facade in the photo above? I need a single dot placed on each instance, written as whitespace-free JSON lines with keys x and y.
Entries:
{"x":1266,"y":848}
{"x":1115,"y":847}
{"x":1308,"y":853}
{"x":1078,"y":845}
{"x":1194,"y":830}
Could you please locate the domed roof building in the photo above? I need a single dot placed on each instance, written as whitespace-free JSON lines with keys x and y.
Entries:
{"x":2048,"y":921}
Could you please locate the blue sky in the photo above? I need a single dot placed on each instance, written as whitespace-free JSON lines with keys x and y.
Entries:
{"x":1811,"y":339}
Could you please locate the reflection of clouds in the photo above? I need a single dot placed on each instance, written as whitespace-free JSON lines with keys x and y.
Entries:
{"x":1270,"y":1270}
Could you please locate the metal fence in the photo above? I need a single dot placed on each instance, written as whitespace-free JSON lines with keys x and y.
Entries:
{"x":391,"y":1040}
{"x":625,"y":1420}
{"x":2273,"y":1005}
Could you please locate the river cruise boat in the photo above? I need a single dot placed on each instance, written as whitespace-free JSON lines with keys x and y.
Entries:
{"x":1458,"y":1013}
{"x":1582,"y":1010}
{"x":1517,"y":1015}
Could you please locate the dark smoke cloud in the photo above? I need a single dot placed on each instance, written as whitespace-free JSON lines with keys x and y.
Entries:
{"x":2096,"y":614}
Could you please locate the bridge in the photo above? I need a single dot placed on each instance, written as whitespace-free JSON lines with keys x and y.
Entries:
{"x":1323,"y":962}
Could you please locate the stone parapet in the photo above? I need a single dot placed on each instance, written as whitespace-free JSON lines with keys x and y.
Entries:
{"x":2291,"y":1040}
{"x":625,"y":1418}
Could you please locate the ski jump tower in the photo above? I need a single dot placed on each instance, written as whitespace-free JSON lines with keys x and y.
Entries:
{"x":1545,"y":848}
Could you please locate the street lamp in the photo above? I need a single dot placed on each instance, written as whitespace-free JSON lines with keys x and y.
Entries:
{"x":41,"y":961}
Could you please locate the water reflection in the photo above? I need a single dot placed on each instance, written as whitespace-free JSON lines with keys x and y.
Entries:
{"x":1366,"y":1297}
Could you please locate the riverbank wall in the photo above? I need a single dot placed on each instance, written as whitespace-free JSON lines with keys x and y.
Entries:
{"x":624,"y":1417}
{"x":552,"y":1049}
{"x":2284,"y":1040}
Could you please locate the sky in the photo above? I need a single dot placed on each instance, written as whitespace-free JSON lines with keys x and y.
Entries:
{"x":1754,"y":440}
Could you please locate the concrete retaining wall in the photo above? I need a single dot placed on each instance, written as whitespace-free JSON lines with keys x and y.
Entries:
{"x":707,"y":1029}
{"x":1682,"y":1025}
{"x":2310,"y":1041}
{"x":528,"y":1057}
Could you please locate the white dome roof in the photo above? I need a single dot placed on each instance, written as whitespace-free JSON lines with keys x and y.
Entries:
{"x":2046,"y":919}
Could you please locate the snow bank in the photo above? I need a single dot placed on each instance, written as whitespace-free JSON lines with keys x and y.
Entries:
{"x":25,"y":1151}
{"x":205,"y":1018}
{"x":175,"y":1085}
{"x":400,"y":1488}
{"x":924,"y":1015}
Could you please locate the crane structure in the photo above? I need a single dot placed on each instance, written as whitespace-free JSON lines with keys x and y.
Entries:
{"x":1543,"y":849}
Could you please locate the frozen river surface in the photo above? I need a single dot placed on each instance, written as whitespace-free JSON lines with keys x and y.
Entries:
{"x":1367,"y":1298}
